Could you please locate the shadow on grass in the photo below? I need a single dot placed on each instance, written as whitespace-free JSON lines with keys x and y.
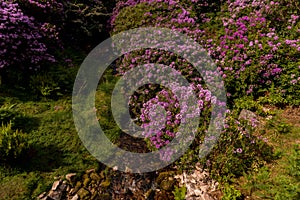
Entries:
{"x":19,"y":121}
{"x":27,"y":124}
{"x":40,"y":158}
{"x":19,"y":93}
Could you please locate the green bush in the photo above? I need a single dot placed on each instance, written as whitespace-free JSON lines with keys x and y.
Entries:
{"x":238,"y":151}
{"x":54,"y":82}
{"x":9,"y":116}
{"x":230,"y":193}
{"x":179,"y":193}
{"x":12,"y":143}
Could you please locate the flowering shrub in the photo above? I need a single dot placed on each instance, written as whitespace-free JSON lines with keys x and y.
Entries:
{"x":22,"y":42}
{"x":176,"y":16}
{"x":243,"y":40}
{"x":251,"y":52}
{"x":36,"y":33}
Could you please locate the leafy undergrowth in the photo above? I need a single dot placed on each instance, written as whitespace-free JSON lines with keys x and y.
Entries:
{"x":279,"y":179}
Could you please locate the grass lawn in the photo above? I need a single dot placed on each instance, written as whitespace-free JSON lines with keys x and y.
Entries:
{"x":55,"y":148}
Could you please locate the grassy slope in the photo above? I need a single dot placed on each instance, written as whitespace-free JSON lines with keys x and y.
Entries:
{"x":281,"y":178}
{"x":57,"y":149}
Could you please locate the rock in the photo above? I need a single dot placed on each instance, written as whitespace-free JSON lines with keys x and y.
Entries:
{"x":269,"y":117}
{"x":102,"y":174}
{"x":128,"y":170}
{"x":164,"y":175}
{"x":199,"y":184}
{"x":55,"y":195}
{"x":75,"y":197}
{"x":95,"y":196}
{"x":149,"y":193}
{"x":47,"y":198}
{"x":41,"y":196}
{"x":198,"y":192}
{"x":266,"y":110}
{"x":89,"y":171}
{"x":68,"y":189}
{"x":55,"y":185}
{"x":85,"y":176}
{"x":249,"y":116}
{"x":71,"y":177}
{"x":63,"y":187}
{"x":92,"y":190}
{"x":72,"y":191}
{"x":115,"y":168}
{"x":76,"y":188}
{"x":84,"y":194}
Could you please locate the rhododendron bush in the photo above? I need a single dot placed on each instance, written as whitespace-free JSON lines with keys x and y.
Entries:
{"x":168,"y":14}
{"x":34,"y":33}
{"x":22,"y":38}
{"x":244,"y":38}
{"x":256,"y":57}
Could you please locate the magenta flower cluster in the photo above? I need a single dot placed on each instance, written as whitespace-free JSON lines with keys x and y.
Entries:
{"x":22,"y":38}
{"x":248,"y":44}
{"x":34,"y":32}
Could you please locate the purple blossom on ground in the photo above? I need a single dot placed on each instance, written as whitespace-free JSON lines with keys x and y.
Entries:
{"x":239,"y":150}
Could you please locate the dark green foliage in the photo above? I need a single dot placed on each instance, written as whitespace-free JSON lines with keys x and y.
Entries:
{"x":84,"y":22}
{"x":53,"y":83}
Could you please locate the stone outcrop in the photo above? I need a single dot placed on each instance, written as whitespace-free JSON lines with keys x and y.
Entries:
{"x":111,"y":184}
{"x":199,"y":185}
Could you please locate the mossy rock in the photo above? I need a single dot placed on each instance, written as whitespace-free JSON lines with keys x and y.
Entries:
{"x":149,"y":193}
{"x":77,"y":187}
{"x":167,"y":184}
{"x":85,"y":176}
{"x":84,"y":194}
{"x":102,"y":174}
{"x":105,"y":184}
{"x":164,"y":175}
{"x":95,"y":196}
{"x":86,"y":182}
{"x":94,"y":176}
